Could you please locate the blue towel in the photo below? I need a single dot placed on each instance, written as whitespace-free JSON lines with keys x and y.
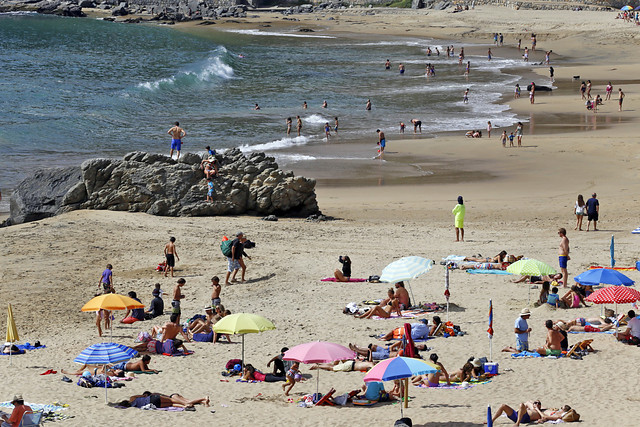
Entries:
{"x":479,"y":271}
{"x":526,"y":354}
{"x":610,"y":331}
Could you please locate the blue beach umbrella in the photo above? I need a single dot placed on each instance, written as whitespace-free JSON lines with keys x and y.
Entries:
{"x":103,"y":354}
{"x":603,"y":276}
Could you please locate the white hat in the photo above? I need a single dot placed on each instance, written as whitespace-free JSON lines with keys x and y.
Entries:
{"x":477,"y":363}
{"x":525,"y":312}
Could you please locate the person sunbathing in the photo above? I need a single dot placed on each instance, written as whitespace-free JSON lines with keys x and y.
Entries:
{"x":471,"y":369}
{"x":433,"y":380}
{"x":496,"y":259}
{"x":390,"y":304}
{"x":345,"y":366}
{"x":419,"y":330}
{"x":198,"y":326}
{"x":378,"y":352}
{"x":118,"y":369}
{"x":527,"y":412}
{"x":249,"y":373}
{"x":540,"y":279}
{"x":602,"y":327}
{"x":553,"y":344}
{"x":162,"y":401}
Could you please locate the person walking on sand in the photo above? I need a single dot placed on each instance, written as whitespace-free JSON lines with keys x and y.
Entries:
{"x":171,"y":254}
{"x":503,"y":139}
{"x":459,"y":212}
{"x":580,"y":211}
{"x":532,"y":93}
{"x":608,"y":90}
{"x":299,"y":124}
{"x":519,"y":134}
{"x":593,"y":211}
{"x":105,"y":284}
{"x":620,"y":98}
{"x":177,"y":133}
{"x":289,"y":123}
{"x":382,"y":142}
{"x":563,"y":255}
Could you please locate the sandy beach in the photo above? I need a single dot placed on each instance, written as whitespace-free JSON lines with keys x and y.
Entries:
{"x":516,"y":200}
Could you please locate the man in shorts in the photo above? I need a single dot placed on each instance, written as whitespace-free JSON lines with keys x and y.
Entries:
{"x":552,"y":346}
{"x":593,"y":211}
{"x":215,"y":292}
{"x":417,"y":124}
{"x":171,"y":254}
{"x":527,"y":412}
{"x":563,"y":255}
{"x":522,"y":331}
{"x":177,"y":133}
{"x":382,"y":142}
{"x":233,"y":262}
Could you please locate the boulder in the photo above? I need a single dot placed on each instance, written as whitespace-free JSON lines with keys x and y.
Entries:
{"x":87,"y":3}
{"x":120,"y":10}
{"x":158,"y":185}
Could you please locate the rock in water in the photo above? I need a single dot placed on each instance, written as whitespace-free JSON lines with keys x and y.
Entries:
{"x":158,"y":185}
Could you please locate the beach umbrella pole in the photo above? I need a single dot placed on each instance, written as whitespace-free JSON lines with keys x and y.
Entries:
{"x":406,"y":393}
{"x":411,"y":290}
{"x":243,"y":350}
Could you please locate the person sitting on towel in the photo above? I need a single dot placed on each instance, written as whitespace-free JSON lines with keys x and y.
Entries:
{"x":345,"y":274}
{"x":385,"y":308}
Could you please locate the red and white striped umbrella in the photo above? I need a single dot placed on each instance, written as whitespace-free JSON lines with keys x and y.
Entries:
{"x":614,"y":294}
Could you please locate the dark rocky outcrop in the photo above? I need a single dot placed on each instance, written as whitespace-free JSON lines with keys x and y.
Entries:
{"x":155,"y":184}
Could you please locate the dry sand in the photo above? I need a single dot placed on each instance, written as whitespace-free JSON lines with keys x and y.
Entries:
{"x":51,"y":267}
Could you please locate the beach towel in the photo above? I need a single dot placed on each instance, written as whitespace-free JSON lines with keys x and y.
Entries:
{"x":333,"y":279}
{"x":457,"y":385}
{"x":406,"y":314}
{"x":414,"y":340}
{"x":37,"y":406}
{"x":636,"y":231}
{"x":203,"y":337}
{"x":23,"y":347}
{"x":453,"y":258}
{"x":593,"y":267}
{"x":610,"y":331}
{"x":481,"y":271}
{"x":525,"y":354}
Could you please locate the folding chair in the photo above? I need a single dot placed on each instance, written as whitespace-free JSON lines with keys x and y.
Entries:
{"x":31,"y":418}
{"x":326,"y":399}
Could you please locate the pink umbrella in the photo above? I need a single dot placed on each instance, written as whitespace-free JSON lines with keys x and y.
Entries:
{"x":318,"y":352}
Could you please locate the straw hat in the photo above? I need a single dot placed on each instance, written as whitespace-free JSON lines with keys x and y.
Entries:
{"x":16,"y":398}
{"x":525,"y":312}
{"x":477,"y":363}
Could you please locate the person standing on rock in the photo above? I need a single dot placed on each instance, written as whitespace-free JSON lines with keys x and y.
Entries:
{"x":177,"y":133}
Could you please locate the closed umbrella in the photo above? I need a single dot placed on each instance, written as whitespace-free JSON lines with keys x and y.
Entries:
{"x":603,"y":276}
{"x":531,"y":267}
{"x":406,"y":269}
{"x":318,"y":352}
{"x":243,"y":323}
{"x":12,"y":331}
{"x":396,"y":368}
{"x":104,"y":354}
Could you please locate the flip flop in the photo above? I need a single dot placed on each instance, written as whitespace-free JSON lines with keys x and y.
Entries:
{"x":67,"y":379}
{"x":49,"y":371}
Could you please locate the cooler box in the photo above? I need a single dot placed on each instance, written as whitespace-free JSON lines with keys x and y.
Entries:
{"x":638,"y":265}
{"x":491,"y":368}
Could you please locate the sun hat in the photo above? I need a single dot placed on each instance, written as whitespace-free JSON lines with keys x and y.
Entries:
{"x":208,"y":308}
{"x":560,"y":324}
{"x":525,"y":312}
{"x":477,"y":363}
{"x":17,"y":397}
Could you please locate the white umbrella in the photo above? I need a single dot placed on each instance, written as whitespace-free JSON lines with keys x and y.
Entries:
{"x":406,"y":269}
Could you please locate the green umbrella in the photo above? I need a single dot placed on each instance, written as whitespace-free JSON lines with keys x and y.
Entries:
{"x":243,"y":323}
{"x":531,"y":267}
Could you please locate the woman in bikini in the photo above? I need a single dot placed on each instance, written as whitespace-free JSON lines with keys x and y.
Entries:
{"x":433,"y":380}
{"x":162,"y":401}
{"x":390,"y":304}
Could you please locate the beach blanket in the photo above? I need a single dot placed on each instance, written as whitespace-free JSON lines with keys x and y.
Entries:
{"x":593,"y":267}
{"x":406,"y":314}
{"x":180,"y":353}
{"x":333,"y":279}
{"x":480,"y":271}
{"x":636,"y":231}
{"x":24,"y":347}
{"x":414,"y":340}
{"x":457,"y":385}
{"x":38,"y":406}
{"x":453,"y":258}
{"x":525,"y":354}
{"x":610,"y":331}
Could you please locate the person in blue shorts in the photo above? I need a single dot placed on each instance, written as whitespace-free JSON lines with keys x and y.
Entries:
{"x":177,"y":133}
{"x":522,"y":330}
{"x":527,"y":412}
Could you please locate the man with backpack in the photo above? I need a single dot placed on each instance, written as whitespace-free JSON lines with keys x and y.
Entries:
{"x":234,"y":258}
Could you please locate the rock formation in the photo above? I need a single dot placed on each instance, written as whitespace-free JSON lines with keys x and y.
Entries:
{"x":158,"y":185}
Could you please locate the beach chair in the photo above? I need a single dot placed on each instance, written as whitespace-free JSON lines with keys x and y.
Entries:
{"x":438,"y":330}
{"x":585,"y":345}
{"x":326,"y":399}
{"x":31,"y":418}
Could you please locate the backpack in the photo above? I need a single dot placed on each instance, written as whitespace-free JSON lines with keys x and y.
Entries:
{"x":225,"y":246}
{"x":231,"y":363}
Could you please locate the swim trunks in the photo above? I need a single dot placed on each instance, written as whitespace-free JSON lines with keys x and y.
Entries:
{"x":522,"y":345}
{"x":592,"y":216}
{"x":176,"y":144}
{"x":215,"y":302}
{"x":401,"y":71}
{"x":383,"y":142}
{"x":589,"y":328}
{"x":232,"y":264}
{"x":119,"y":366}
{"x":430,"y":384}
{"x":553,"y":352}
{"x":171,"y":260}
{"x":380,"y":354}
{"x":210,"y":192}
{"x":562,"y":261}
{"x":514,"y":417}
{"x":581,"y":321}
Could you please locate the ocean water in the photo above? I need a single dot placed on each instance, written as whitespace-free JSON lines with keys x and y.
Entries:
{"x":74,"y":89}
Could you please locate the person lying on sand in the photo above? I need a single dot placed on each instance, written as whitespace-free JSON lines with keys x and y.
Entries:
{"x":162,"y":401}
{"x":540,"y":279}
{"x":378,"y":352}
{"x":566,"y":325}
{"x":433,"y":380}
{"x":603,"y":327}
{"x":249,"y":373}
{"x":385,"y":308}
{"x":497,"y":259}
{"x":419,"y":330}
{"x":118,"y":369}
{"x":345,"y":366}
{"x":526,"y":413}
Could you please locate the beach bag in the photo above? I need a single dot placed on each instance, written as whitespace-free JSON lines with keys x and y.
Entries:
{"x":571,"y":416}
{"x":231,"y":363}
{"x":225,"y":246}
{"x":374,"y":279}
